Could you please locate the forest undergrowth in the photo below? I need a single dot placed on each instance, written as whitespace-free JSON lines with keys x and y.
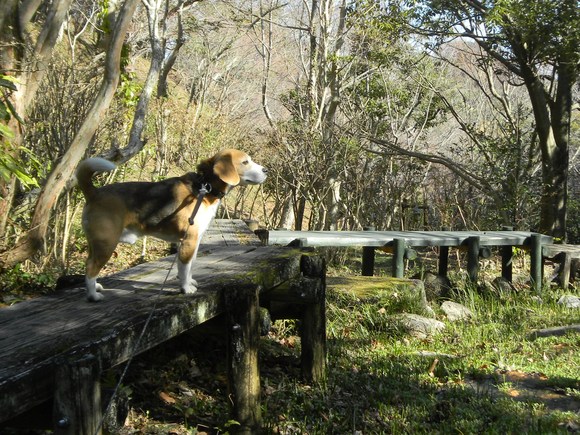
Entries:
{"x":482,"y":375}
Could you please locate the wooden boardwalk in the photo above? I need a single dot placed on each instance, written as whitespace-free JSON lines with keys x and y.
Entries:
{"x":477,"y":244}
{"x":38,"y":335}
{"x":411,"y":238}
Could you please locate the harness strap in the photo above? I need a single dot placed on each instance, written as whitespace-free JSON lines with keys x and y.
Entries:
{"x":203,"y":190}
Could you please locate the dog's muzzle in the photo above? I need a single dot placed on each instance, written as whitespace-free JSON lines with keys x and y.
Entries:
{"x":256,"y":175}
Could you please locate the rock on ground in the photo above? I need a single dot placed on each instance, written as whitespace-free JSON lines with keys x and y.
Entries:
{"x":419,"y":326}
{"x":455,"y":311}
{"x":570,"y":301}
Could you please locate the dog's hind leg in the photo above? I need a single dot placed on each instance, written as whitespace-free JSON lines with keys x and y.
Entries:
{"x":99,"y":254}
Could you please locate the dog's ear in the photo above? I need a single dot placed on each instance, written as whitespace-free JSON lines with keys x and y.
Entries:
{"x":224,"y":168}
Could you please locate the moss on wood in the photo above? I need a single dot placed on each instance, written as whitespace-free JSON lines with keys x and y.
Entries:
{"x":394,"y":295}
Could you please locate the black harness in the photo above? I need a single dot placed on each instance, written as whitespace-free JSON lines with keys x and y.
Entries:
{"x":204,"y":189}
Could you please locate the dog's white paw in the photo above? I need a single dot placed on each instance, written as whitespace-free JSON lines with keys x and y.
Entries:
{"x":93,"y":289}
{"x":96,"y":297}
{"x":191,"y":288}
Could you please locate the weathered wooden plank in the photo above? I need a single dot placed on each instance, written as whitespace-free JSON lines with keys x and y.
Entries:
{"x":551,"y":250}
{"x":237,"y":232}
{"x":34,"y":334}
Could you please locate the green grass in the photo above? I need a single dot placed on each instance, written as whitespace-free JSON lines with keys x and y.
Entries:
{"x":483,"y":376}
{"x":378,"y":384}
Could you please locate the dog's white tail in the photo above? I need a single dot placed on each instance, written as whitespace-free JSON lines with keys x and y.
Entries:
{"x":87,"y":168}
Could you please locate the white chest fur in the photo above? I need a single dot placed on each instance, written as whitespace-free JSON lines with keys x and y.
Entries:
{"x":204,"y":217}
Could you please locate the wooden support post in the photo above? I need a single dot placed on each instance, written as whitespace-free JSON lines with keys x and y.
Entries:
{"x":443,"y":257}
{"x":243,"y":341}
{"x":313,"y":327}
{"x":313,"y":341}
{"x":77,"y":397}
{"x":536,"y":263}
{"x":507,"y":258}
{"x":263,"y":235}
{"x":398,"y":258}
{"x":473,"y":257}
{"x":368,"y":257}
{"x":443,"y":260}
{"x":564,"y":272}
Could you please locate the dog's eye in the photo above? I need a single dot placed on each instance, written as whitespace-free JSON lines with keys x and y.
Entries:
{"x":246,"y":162}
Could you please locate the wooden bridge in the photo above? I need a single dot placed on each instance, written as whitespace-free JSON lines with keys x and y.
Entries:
{"x":54,"y":348}
{"x":400,"y":244}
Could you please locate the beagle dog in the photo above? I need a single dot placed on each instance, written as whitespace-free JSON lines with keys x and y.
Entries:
{"x":122,"y":212}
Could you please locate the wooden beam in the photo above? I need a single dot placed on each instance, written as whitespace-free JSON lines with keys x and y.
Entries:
{"x":302,"y":291}
{"x":473,"y":257}
{"x":243,"y":372}
{"x":398,"y":258}
{"x":77,"y":397}
{"x":443,"y":260}
{"x":313,"y":327}
{"x":368,"y":257}
{"x":537,"y":262}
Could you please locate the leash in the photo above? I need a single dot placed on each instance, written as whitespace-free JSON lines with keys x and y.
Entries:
{"x":134,"y":351}
{"x":203,"y":191}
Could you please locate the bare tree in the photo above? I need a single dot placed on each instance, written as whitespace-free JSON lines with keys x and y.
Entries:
{"x":164,"y":50}
{"x":32,"y":240}
{"x":24,"y":55}
{"x":538,"y":42}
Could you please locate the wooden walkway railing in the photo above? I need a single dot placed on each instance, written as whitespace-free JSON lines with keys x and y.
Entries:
{"x":56,"y":346}
{"x":400,"y":243}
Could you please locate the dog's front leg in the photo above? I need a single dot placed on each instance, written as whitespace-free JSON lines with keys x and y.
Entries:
{"x":93,"y":289}
{"x":186,"y":283}
{"x":186,"y":256}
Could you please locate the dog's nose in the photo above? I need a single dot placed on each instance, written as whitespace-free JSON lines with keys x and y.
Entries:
{"x":264,"y":170}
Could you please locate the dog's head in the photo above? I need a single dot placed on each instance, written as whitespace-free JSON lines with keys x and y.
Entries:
{"x":234,"y":167}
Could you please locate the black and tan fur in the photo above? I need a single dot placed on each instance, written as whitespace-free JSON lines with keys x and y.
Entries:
{"x":122,"y":212}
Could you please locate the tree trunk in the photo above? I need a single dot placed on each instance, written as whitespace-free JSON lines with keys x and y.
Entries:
{"x":553,"y":127}
{"x":136,"y":141}
{"x":20,"y":54}
{"x":33,"y":239}
{"x":157,"y":76}
{"x":288,"y":215}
